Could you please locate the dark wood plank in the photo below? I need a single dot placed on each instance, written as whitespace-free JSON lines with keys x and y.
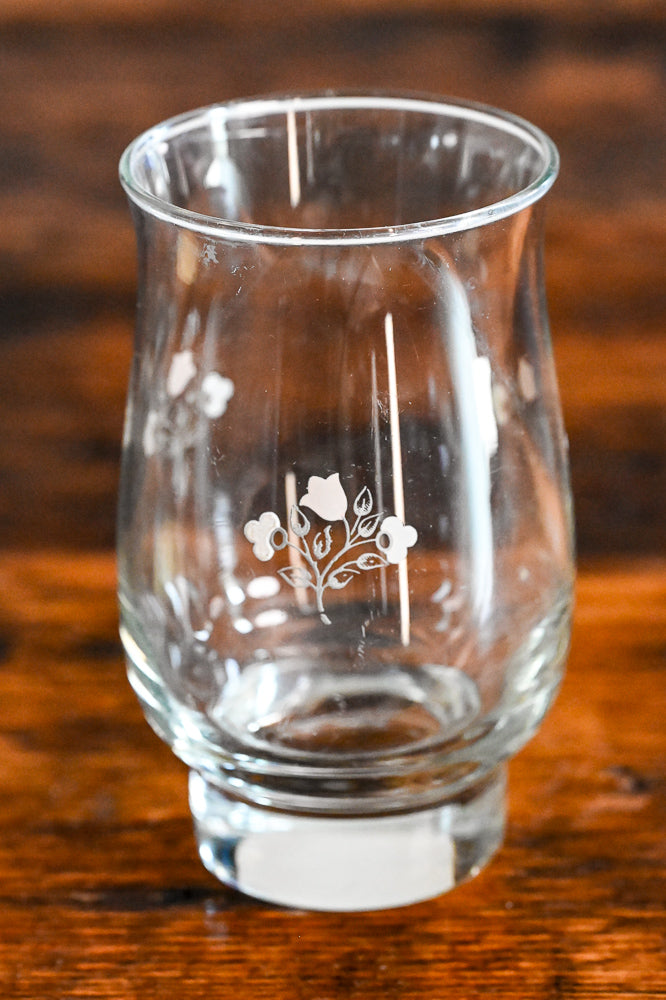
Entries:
{"x":261,"y":13}
{"x":103,"y":896}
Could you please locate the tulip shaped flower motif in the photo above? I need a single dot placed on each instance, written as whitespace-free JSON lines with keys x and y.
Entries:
{"x":326,"y":497}
{"x":370,"y":539}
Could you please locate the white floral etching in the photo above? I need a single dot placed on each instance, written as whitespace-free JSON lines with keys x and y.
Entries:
{"x":191,"y":396}
{"x":395,"y":538}
{"x":370,"y":541}
{"x":260,"y":532}
{"x":327,"y":498}
{"x":209,"y":254}
{"x":216,"y":391}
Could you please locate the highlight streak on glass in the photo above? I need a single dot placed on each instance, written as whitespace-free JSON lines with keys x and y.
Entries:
{"x":398,"y":486}
{"x":379,"y":490}
{"x":476,"y":438}
{"x":292,"y":157}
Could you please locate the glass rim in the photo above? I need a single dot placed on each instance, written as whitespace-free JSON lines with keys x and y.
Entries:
{"x":233,"y":230}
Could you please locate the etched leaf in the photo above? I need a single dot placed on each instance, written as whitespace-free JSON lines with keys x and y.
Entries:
{"x":342,"y":577}
{"x":369,"y":525}
{"x":321,"y":545}
{"x":363,"y":502}
{"x":298,"y":521}
{"x":296,"y":576}
{"x":371,"y":560}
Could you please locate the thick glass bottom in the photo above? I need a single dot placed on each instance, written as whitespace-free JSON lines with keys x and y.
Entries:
{"x":333,"y":863}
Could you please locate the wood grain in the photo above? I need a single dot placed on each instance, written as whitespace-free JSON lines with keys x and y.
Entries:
{"x":260,"y":13}
{"x":103,"y":896}
{"x":101,"y":892}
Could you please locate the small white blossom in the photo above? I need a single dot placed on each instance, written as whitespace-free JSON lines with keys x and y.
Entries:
{"x":259,"y":533}
{"x":395,"y":538}
{"x":216,"y":391}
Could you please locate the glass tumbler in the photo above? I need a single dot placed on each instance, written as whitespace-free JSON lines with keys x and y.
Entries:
{"x":345,"y":532}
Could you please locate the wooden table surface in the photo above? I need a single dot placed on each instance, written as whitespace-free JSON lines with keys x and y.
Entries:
{"x":101,"y":890}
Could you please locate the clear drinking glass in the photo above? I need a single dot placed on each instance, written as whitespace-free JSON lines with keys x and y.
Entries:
{"x":345,"y":542}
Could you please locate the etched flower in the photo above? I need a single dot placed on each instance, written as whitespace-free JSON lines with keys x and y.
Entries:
{"x":181,"y":372}
{"x":259,"y":533}
{"x":331,"y":559}
{"x":395,"y":538}
{"x":216,"y":391}
{"x":326,"y":497}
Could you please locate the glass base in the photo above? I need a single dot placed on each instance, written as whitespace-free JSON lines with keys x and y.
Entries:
{"x":368,"y":863}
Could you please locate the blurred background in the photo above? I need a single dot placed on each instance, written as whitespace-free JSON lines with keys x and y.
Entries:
{"x":79,"y":79}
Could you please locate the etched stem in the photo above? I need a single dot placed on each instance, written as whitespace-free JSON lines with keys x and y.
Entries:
{"x":347,"y":548}
{"x":319,"y":591}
